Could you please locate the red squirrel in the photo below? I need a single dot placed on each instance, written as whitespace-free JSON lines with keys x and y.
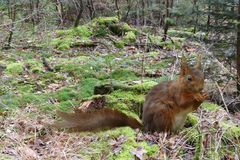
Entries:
{"x":165,"y":108}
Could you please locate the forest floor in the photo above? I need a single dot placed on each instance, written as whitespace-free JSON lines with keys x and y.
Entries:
{"x":105,"y":63}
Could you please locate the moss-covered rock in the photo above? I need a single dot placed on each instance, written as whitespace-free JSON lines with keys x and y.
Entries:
{"x":72,"y":37}
{"x":129,"y":37}
{"x":106,"y":20}
{"x":86,"y":87}
{"x":176,"y":33}
{"x":145,"y":86}
{"x":82,"y":31}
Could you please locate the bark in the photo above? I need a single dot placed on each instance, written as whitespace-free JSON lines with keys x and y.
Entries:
{"x":117,"y":8}
{"x":12,"y":16}
{"x":209,"y":16}
{"x":238,"y":50}
{"x":59,"y":8}
{"x":91,"y":9}
{"x":195,"y":18}
{"x":80,"y":11}
{"x":143,"y":12}
{"x":129,"y":6}
{"x":166,"y":25}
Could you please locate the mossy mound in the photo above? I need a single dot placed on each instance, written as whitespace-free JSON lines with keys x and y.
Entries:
{"x":173,"y":43}
{"x":177,"y":33}
{"x":98,"y":27}
{"x":210,"y":106}
{"x":65,"y":39}
{"x":15,"y":68}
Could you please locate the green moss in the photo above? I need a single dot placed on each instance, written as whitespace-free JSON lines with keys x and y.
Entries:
{"x":163,"y":63}
{"x":87,"y":87}
{"x":21,"y":100}
{"x":61,"y":33}
{"x":51,"y":77}
{"x":150,"y":149}
{"x":128,"y":28}
{"x":232,"y":131}
{"x":76,"y":70}
{"x":192,"y":135}
{"x":65,"y":44}
{"x":119,"y":44}
{"x":25,"y":88}
{"x":190,"y":29}
{"x":73,"y":37}
{"x":3,"y":90}
{"x":26,"y":98}
{"x":83,"y":41}
{"x":123,"y":74}
{"x":155,"y":40}
{"x":66,"y":94}
{"x":56,"y":42}
{"x":191,"y":119}
{"x":130,"y":144}
{"x":127,"y":146}
{"x":106,"y":20}
{"x":210,"y":106}
{"x":35,"y":66}
{"x":68,"y":105}
{"x":82,"y":31}
{"x":154,"y":54}
{"x":15,"y":68}
{"x":175,"y":33}
{"x":126,"y":101}
{"x":128,"y":96}
{"x":145,"y":86}
{"x":129,"y":37}
{"x":199,"y":147}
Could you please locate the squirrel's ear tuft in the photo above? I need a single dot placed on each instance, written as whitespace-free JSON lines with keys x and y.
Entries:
{"x":199,"y":60}
{"x":184,"y":65}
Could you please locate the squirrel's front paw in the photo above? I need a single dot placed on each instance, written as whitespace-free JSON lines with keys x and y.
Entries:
{"x":200,"y":97}
{"x":205,"y":95}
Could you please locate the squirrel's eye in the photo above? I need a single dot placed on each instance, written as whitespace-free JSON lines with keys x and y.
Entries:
{"x":189,"y":78}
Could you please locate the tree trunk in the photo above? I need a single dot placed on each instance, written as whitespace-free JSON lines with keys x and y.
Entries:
{"x":129,"y":6}
{"x":238,"y":50}
{"x":91,"y":9}
{"x":166,"y":24}
{"x":195,"y":17}
{"x":31,"y":8}
{"x":209,"y":16}
{"x":12,"y":16}
{"x":80,"y":11}
{"x":59,"y":8}
{"x":143,"y":12}
{"x":117,"y":8}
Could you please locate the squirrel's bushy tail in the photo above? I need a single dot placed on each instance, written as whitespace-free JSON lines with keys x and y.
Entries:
{"x":99,"y":120}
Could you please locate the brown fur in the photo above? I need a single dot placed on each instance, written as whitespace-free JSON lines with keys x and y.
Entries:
{"x":165,"y":109}
{"x":89,"y":121}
